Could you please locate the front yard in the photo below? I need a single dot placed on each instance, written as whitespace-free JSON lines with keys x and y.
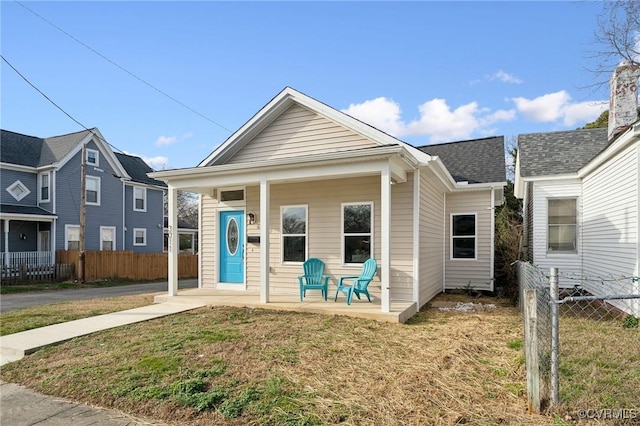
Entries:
{"x":251,"y":366}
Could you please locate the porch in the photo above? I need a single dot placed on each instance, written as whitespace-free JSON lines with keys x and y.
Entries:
{"x":399,"y":312}
{"x":28,"y":258}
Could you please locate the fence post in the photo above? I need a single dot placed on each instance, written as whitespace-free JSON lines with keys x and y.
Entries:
{"x":531,"y":350}
{"x":555,"y":342}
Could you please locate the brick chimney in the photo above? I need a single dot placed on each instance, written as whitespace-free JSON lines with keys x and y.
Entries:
{"x":623,"y":103}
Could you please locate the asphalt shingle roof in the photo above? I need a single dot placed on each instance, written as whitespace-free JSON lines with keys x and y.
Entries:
{"x":473,"y":161}
{"x":556,"y":153}
{"x":138,"y":169}
{"x":16,"y":148}
{"x":13,"y":209}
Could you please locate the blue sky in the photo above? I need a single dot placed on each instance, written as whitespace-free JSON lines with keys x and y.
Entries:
{"x":425,"y":72}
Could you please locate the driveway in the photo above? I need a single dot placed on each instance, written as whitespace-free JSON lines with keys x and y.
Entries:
{"x":10,"y":302}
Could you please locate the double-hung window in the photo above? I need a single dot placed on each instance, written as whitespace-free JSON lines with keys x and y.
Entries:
{"x":107,"y":238}
{"x":139,"y":237}
{"x":72,"y":237}
{"x":563,"y":224}
{"x":139,"y":199}
{"x":294,"y":233}
{"x":45,"y":185}
{"x":463,"y":236}
{"x":92,"y":190}
{"x":93,"y":157}
{"x":357,"y":232}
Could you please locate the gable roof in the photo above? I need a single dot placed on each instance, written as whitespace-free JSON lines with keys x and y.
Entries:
{"x":558,"y":153}
{"x":472,"y":161}
{"x":280,"y":103}
{"x":20,"y":149}
{"x":137,"y":169}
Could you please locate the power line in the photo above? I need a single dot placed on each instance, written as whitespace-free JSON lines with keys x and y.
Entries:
{"x":124,"y":69}
{"x":55,"y":104}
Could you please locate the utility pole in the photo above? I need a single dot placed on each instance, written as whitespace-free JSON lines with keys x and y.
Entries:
{"x":83,"y":211}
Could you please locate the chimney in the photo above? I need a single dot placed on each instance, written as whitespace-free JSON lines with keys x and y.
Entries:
{"x":623,"y":104}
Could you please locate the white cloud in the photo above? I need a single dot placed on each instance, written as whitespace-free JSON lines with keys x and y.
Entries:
{"x":505,"y":77}
{"x":156,"y":163}
{"x":381,"y":113}
{"x":558,"y":106}
{"x":437,"y":120}
{"x":168,"y":140}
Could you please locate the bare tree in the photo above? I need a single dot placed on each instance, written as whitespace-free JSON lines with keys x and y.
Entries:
{"x":187,"y":208}
{"x":617,"y":37}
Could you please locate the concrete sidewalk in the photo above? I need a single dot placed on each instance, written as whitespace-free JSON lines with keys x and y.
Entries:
{"x":24,"y":407}
{"x":15,"y":346}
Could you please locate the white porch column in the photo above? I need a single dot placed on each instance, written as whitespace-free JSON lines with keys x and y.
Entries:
{"x":174,"y":242}
{"x":385,"y":237}
{"x":264,"y":241}
{"x":6,"y":242}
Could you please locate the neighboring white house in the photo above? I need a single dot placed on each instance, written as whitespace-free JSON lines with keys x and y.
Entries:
{"x":580,"y":192}
{"x":301,"y":179}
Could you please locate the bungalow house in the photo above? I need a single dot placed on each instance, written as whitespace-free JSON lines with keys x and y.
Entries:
{"x":301,"y":179}
{"x":40,"y":198}
{"x":580,"y":192}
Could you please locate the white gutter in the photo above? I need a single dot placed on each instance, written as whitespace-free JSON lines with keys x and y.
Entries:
{"x":350,"y":156}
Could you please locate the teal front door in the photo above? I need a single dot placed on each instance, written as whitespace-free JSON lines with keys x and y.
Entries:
{"x":232,"y":246}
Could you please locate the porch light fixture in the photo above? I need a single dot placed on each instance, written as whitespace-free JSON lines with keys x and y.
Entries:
{"x":23,"y":236}
{"x":251,"y":218}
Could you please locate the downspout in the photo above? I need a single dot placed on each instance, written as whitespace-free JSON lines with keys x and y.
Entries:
{"x":200,"y":232}
{"x":6,"y":242}
{"x":492,"y":277}
{"x":416,"y":236}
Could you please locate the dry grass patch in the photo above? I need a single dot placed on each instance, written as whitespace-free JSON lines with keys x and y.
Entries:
{"x":233,"y":366}
{"x":41,"y":316}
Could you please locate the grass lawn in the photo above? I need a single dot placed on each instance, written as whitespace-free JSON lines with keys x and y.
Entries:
{"x":239,"y":366}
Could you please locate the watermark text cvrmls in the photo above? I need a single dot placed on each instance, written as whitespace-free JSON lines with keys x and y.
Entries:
{"x":610,"y":414}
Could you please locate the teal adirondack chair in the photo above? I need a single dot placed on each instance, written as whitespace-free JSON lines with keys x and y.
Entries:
{"x":358,"y":284}
{"x":313,"y":278}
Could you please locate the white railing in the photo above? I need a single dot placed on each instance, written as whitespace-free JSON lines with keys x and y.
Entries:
{"x":31,"y":258}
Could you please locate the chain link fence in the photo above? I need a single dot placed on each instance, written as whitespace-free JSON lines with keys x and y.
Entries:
{"x":582,"y":344}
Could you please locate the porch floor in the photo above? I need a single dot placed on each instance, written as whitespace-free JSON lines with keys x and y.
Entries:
{"x":401,"y":311}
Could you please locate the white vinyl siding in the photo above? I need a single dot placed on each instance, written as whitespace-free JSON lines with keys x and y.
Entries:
{"x":298,"y":131}
{"x":542,"y":192}
{"x":401,"y":274}
{"x":610,"y":222}
{"x":208,"y":240}
{"x":476,"y":273}
{"x":432,"y":237}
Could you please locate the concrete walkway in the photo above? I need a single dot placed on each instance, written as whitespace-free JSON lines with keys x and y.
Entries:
{"x":24,"y":407}
{"x":15,"y":346}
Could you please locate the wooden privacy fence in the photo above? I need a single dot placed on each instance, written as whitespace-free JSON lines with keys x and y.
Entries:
{"x":128,"y":264}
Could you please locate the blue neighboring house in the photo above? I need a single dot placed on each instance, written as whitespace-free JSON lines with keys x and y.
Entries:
{"x":40,"y":197}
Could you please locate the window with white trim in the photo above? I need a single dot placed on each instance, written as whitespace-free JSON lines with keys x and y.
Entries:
{"x":72,"y":237}
{"x":44,"y":183}
{"x":357,"y":232}
{"x":139,"y":237}
{"x":93,"y":157}
{"x":107,"y":238}
{"x":463,"y":236}
{"x":92,"y":189}
{"x":562,"y":222}
{"x":294,"y":233}
{"x":139,"y":199}
{"x":18,"y":190}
